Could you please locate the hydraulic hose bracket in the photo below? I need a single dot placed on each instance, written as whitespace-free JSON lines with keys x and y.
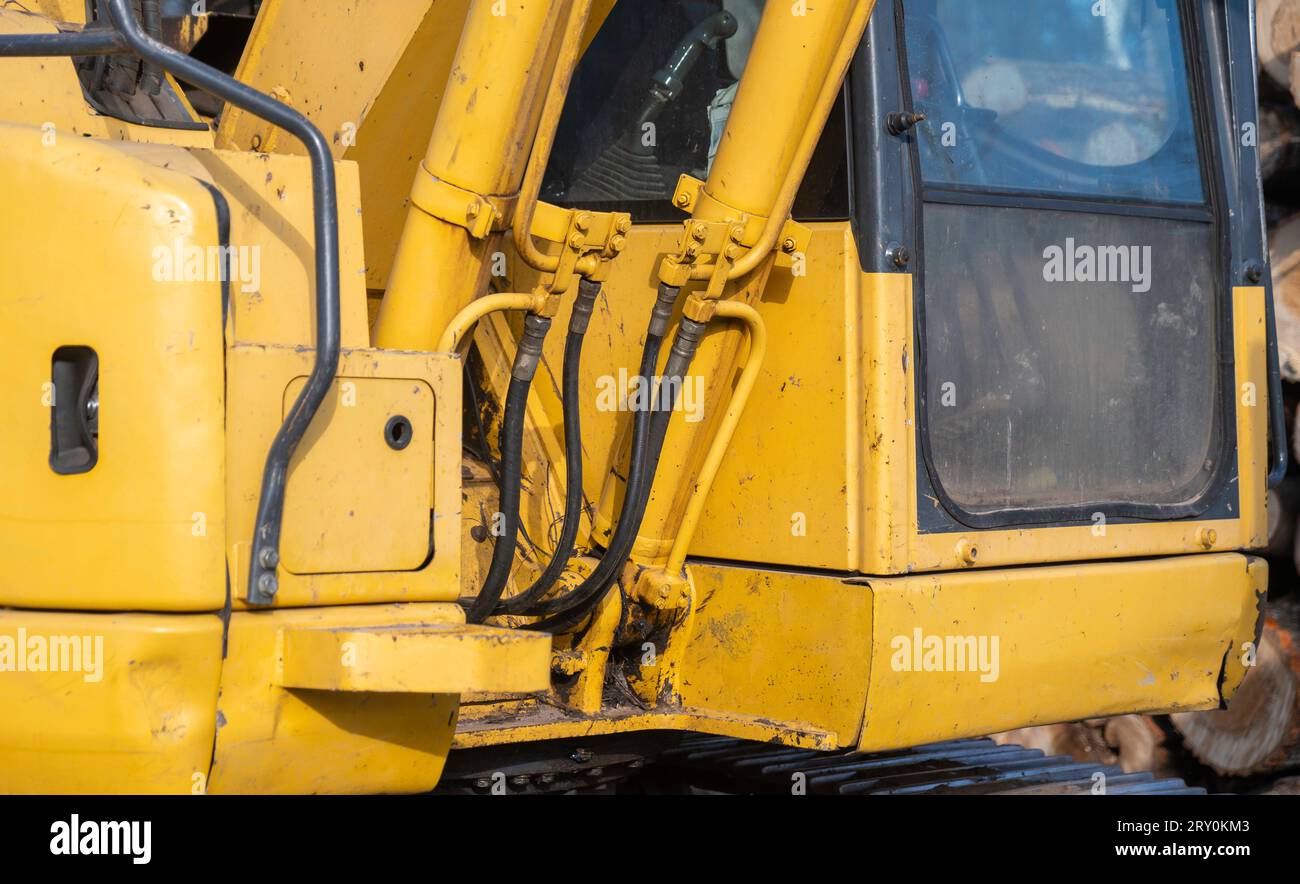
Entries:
{"x":588,"y":242}
{"x":718,"y":251}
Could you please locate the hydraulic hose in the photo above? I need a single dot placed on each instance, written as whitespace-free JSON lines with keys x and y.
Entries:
{"x":579,"y":320}
{"x":527,"y":358}
{"x":638,"y":467}
{"x":566,"y":612}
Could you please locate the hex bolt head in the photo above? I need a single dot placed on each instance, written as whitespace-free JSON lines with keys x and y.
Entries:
{"x":898,"y":255}
{"x":267,"y":584}
{"x":1254,"y":272}
{"x":968,"y":552}
{"x":268,"y":557}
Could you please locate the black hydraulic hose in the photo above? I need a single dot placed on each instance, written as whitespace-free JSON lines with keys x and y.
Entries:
{"x":579,"y":321}
{"x":569,"y":610}
{"x":625,"y":533}
{"x":527,"y":358}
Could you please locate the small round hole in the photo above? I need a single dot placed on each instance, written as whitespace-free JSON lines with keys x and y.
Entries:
{"x":398,"y":432}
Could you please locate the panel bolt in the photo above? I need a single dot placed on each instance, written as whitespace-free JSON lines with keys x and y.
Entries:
{"x":267,"y":584}
{"x":968,"y":552}
{"x":898,"y":123}
{"x":268,"y":557}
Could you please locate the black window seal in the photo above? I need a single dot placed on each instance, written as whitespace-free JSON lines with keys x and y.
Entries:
{"x":1014,"y":199}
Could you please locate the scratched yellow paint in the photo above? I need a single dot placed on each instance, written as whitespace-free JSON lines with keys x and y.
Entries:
{"x":1071,"y":641}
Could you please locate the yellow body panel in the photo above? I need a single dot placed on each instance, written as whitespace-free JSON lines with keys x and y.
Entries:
{"x":812,"y":659}
{"x":1071,"y":642}
{"x":286,"y":740}
{"x":438,"y":658}
{"x":385,"y":526}
{"x":261,"y":379}
{"x":60,"y":10}
{"x":144,"y":529}
{"x":271,"y":216}
{"x":790,"y":647}
{"x":141,"y":719}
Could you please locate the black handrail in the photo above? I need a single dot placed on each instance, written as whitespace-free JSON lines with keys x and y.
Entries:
{"x":126,"y":35}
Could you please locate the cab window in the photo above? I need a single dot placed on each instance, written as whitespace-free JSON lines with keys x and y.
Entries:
{"x":1070,"y":317}
{"x":1084,"y":97}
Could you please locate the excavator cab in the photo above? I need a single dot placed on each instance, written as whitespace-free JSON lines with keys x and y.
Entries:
{"x":455,"y":387}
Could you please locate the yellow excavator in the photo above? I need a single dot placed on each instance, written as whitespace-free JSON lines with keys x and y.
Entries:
{"x":523,"y":396}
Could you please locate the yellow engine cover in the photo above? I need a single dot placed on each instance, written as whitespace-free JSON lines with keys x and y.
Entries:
{"x":96,"y":268}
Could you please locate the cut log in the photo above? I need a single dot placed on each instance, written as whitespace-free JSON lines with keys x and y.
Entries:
{"x":1077,"y":739}
{"x":1259,"y":732}
{"x":1284,"y":251}
{"x":1279,"y":139}
{"x":1135,"y":742}
{"x":1277,"y":23}
{"x":1282,"y":508}
{"x":1139,"y":742}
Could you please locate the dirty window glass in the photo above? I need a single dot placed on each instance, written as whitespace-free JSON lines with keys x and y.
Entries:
{"x":649,"y":101}
{"x":1070,"y":359}
{"x":1080,"y":97}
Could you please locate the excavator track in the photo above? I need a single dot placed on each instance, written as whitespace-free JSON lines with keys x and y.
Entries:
{"x":699,"y":764}
{"x":962,"y":767}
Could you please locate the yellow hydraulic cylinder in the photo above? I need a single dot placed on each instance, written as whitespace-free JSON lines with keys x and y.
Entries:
{"x":793,"y":61}
{"x":794,"y":73}
{"x":471,"y":173}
